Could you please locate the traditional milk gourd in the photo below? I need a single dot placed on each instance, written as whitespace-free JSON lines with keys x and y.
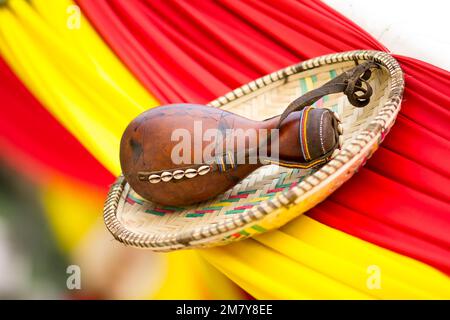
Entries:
{"x":182,"y":154}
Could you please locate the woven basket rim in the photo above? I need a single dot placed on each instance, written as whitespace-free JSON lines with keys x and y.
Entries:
{"x":360,"y":147}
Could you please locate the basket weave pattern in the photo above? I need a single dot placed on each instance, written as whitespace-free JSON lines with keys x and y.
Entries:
{"x":270,"y":196}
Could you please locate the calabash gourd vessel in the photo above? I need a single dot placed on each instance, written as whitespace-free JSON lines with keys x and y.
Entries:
{"x":167,"y":172}
{"x":223,"y":200}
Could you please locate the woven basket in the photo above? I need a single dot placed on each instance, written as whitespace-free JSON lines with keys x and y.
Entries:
{"x":272,"y":195}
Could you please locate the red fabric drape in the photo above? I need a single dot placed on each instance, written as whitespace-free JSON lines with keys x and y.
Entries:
{"x":194,"y":51}
{"x":32,"y":135}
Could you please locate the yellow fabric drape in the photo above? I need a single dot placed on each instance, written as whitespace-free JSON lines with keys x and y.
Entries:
{"x":86,"y":87}
{"x":306,"y":259}
{"x":82,"y":83}
{"x":73,"y":73}
{"x":72,"y":209}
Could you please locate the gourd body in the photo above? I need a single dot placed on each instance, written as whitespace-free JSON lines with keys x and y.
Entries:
{"x":149,"y":141}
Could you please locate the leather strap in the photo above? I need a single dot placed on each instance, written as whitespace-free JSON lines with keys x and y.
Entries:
{"x":353,"y":83}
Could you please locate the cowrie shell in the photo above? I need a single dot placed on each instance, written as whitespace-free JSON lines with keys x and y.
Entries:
{"x":166,"y":176}
{"x":190,"y":173}
{"x":154,"y":178}
{"x":203,"y":170}
{"x":341,"y":141}
{"x":337,"y":117}
{"x":178,"y":174}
